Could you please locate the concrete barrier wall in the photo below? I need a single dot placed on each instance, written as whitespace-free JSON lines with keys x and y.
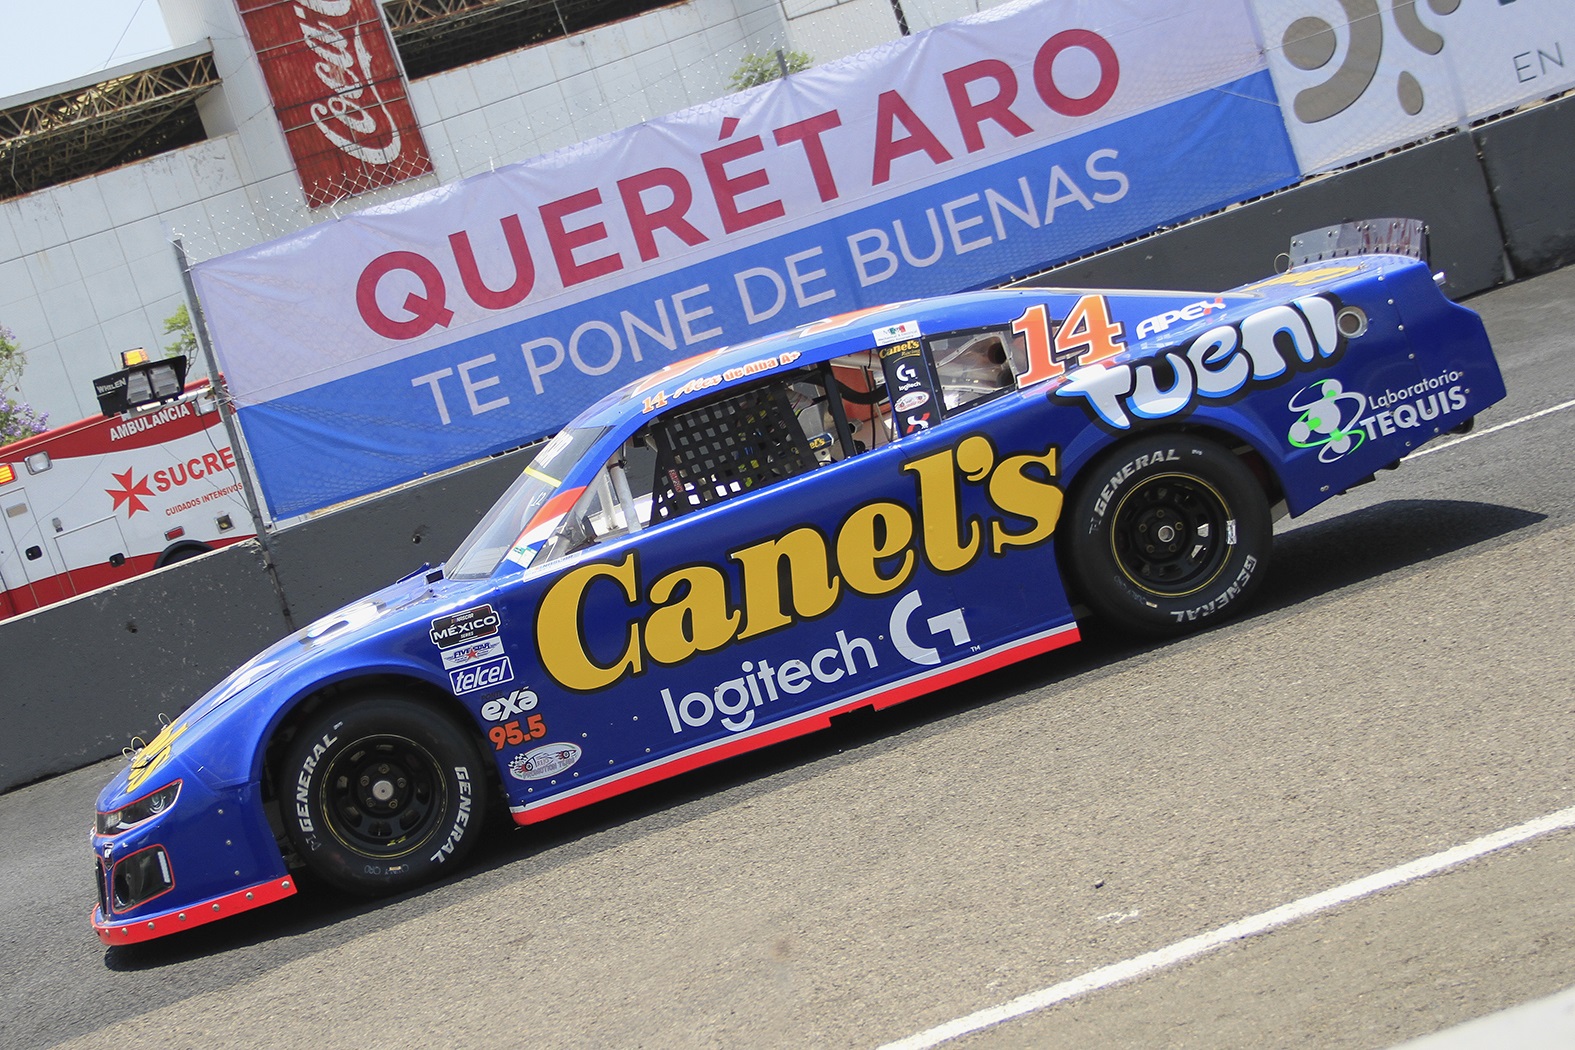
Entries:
{"x":85,"y":676}
{"x":336,"y":558}
{"x":1529,"y":160}
{"x":1441,"y":183}
{"x":82,"y":678}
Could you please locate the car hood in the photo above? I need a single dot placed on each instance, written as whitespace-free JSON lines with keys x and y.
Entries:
{"x":217,"y":736}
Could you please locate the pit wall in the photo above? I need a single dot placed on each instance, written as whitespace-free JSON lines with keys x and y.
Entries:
{"x":85,"y":677}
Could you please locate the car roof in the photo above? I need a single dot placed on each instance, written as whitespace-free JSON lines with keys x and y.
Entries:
{"x":719,"y":370}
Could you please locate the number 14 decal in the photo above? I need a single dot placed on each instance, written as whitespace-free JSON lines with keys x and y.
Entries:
{"x":1084,"y":336}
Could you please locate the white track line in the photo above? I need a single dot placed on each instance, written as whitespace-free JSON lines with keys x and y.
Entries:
{"x":1483,"y":433}
{"x":1193,"y":947}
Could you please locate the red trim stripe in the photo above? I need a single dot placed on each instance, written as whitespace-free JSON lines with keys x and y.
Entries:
{"x":145,"y":928}
{"x":38,"y":594}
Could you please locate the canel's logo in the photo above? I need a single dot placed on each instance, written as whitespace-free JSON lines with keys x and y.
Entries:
{"x":796,"y":575}
{"x":1310,"y":43}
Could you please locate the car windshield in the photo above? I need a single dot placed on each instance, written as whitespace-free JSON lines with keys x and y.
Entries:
{"x":524,"y":516}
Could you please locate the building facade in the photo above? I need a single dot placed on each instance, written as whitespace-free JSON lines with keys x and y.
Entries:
{"x":198,"y":143}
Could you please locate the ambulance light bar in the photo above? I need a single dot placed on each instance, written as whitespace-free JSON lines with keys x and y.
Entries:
{"x":149,"y":383}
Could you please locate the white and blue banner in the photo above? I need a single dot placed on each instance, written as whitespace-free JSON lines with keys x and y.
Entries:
{"x":1360,"y":77}
{"x":414,"y":336}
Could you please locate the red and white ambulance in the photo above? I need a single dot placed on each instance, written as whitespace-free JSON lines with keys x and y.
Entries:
{"x":110,"y":497}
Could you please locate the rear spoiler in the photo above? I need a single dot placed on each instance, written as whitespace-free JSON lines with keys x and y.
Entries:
{"x":1363,"y":237}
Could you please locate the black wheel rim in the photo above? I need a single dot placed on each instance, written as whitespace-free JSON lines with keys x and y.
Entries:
{"x":383,"y":795}
{"x":1172,"y":535}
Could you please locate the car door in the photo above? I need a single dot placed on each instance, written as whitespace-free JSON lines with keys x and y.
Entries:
{"x":763,"y":563}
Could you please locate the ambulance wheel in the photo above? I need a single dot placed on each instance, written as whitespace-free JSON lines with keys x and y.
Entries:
{"x":1166,"y":534}
{"x":382,"y":794}
{"x":181,"y":552}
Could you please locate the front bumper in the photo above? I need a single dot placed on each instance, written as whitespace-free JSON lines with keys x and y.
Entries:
{"x":210,"y":855}
{"x":158,"y":924}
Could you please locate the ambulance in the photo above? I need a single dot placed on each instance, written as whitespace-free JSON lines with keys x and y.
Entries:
{"x":113,"y":496}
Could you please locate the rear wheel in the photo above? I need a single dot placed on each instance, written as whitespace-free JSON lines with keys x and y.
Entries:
{"x":1167,"y":533}
{"x":382,"y":794}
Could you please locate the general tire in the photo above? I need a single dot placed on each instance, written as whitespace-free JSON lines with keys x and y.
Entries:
{"x":382,"y":794}
{"x":1166,"y":534}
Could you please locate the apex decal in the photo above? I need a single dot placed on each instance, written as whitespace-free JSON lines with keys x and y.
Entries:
{"x":799,"y":574}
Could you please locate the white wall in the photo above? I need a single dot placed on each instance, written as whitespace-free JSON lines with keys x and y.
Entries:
{"x":87,"y":269}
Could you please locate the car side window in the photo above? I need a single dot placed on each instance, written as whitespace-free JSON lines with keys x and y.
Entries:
{"x":972,"y":367}
{"x":861,"y":387}
{"x":747,"y":439}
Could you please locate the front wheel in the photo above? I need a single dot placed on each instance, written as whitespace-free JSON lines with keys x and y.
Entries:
{"x":1168,"y":532}
{"x":382,"y":794}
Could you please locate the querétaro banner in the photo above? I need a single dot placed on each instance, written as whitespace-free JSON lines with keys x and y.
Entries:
{"x":416,"y":335}
{"x":1360,"y":77}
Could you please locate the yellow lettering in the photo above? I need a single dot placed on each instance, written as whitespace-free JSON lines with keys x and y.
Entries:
{"x":560,"y":628}
{"x":812,"y":587}
{"x":872,"y":534}
{"x":1015,"y":490}
{"x":797,"y":575}
{"x":692,"y":614}
{"x":941,"y":506}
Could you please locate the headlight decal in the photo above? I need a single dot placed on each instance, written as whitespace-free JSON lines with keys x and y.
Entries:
{"x":141,"y":811}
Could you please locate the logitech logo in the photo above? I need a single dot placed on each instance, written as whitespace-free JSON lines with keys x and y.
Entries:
{"x":1310,"y":43}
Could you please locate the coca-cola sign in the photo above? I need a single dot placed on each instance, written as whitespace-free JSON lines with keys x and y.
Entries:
{"x":339,"y":94}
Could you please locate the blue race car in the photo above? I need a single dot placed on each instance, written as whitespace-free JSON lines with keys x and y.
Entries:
{"x":741,"y":546}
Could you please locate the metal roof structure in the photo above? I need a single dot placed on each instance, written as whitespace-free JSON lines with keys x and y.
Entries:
{"x":434,"y":35}
{"x":99,"y":122}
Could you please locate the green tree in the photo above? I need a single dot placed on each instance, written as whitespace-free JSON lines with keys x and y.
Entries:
{"x":755,"y":70}
{"x":185,"y":344}
{"x":18,"y":419}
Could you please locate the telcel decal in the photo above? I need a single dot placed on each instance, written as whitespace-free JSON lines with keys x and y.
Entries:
{"x":799,"y":574}
{"x":1337,"y":421}
{"x":489,"y":675}
{"x":473,"y":654}
{"x":1218,"y":365}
